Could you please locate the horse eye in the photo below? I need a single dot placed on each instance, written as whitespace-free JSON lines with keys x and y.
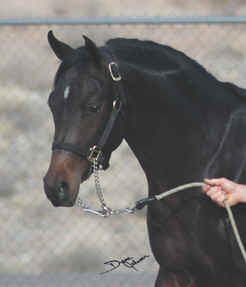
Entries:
{"x":94,"y":108}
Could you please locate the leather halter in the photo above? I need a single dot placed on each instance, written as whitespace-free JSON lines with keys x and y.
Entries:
{"x":95,"y":153}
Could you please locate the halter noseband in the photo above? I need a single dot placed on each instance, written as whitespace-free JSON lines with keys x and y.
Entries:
{"x":95,"y":153}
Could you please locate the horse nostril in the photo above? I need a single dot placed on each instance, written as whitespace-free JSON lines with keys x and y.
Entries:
{"x":62,"y":190}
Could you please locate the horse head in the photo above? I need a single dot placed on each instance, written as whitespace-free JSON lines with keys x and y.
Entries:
{"x":82,"y":103}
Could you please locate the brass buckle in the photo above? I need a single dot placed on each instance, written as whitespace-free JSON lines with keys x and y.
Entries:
{"x":95,"y":154}
{"x":114,"y":74}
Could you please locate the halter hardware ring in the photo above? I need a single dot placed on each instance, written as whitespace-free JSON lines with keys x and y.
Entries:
{"x":95,"y":154}
{"x":114,"y":71}
{"x":117,"y":104}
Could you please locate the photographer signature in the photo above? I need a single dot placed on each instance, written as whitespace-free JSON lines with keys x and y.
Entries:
{"x":128,"y":262}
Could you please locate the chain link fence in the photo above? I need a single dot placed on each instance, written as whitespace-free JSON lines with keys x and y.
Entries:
{"x":37,"y":238}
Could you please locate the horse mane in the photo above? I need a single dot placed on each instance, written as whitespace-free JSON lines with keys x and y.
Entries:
{"x":153,"y":56}
{"x":160,"y":59}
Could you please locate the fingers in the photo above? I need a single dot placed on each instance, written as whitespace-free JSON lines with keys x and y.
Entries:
{"x":221,"y":189}
{"x":205,"y":188}
{"x":216,"y":181}
{"x":209,"y":184}
{"x":225,"y":184}
{"x":216,"y":194}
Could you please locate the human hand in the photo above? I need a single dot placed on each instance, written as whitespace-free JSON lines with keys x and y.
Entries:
{"x":221,"y":189}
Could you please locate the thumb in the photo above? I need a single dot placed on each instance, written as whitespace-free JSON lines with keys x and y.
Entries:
{"x":232,"y":199}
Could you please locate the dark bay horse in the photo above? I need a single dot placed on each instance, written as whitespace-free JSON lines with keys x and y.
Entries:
{"x":182,"y":125}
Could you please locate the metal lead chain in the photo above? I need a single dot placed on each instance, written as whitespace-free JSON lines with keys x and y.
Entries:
{"x":106,"y":211}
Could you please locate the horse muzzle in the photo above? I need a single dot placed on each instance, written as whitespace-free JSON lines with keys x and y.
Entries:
{"x":60,"y":194}
{"x":63,"y":178}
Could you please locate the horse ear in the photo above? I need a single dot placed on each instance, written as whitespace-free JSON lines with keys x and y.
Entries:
{"x":92,"y":49}
{"x":61,"y":49}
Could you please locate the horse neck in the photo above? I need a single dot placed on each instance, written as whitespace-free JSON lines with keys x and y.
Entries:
{"x":156,"y":126}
